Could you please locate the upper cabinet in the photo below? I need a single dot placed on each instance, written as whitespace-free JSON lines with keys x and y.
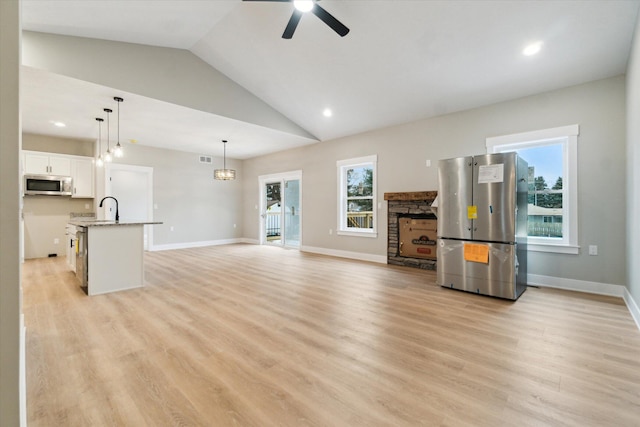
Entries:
{"x":47,"y":164}
{"x":82,"y":174}
{"x":79,"y":168}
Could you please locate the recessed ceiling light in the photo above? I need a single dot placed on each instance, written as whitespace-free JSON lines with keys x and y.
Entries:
{"x":327,"y":112}
{"x":58,"y":124}
{"x":532,"y":49}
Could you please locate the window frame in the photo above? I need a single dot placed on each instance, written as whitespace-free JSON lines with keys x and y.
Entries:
{"x":569,"y":137}
{"x":343,"y":166}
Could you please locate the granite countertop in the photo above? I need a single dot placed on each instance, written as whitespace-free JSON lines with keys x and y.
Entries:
{"x":104,"y":222}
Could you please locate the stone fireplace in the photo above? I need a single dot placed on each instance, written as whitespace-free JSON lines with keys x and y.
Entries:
{"x":411,"y":231}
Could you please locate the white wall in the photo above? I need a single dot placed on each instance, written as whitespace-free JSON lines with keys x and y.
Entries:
{"x":633,"y":171}
{"x":10,"y":294}
{"x":599,"y":109}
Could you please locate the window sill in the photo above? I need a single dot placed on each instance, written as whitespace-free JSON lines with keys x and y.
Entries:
{"x":559,"y":249}
{"x":357,"y":233}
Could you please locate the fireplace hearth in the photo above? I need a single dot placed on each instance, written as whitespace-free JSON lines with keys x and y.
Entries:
{"x":411,"y":232}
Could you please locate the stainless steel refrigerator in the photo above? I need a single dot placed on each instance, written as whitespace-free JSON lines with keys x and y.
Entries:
{"x":482,"y":224}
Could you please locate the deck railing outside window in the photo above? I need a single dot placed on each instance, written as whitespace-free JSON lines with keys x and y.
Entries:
{"x":360,"y":219}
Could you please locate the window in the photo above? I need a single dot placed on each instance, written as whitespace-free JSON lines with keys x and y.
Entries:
{"x":357,"y":196}
{"x":553,"y":194}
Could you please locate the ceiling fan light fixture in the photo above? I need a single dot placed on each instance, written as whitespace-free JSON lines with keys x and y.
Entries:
{"x":303,"y":5}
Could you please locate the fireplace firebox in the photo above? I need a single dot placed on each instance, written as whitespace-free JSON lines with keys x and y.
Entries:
{"x":412,"y":229}
{"x":417,"y":236}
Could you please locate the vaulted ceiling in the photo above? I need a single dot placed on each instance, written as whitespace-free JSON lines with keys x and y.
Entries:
{"x":401,"y":61}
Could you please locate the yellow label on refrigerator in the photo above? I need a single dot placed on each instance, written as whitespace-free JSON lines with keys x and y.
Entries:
{"x":476,"y":253}
{"x":472,"y":212}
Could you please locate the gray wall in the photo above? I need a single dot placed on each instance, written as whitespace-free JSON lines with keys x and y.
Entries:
{"x":599,"y":109}
{"x":45,"y":218}
{"x":188,"y":198}
{"x":52,"y":144}
{"x":633,"y":173}
{"x":10,"y":299}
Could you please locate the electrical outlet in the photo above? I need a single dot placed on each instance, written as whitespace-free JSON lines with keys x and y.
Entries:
{"x":428,"y":163}
{"x":56,"y":241}
{"x":171,"y":228}
{"x":330,"y":231}
{"x":593,"y":250}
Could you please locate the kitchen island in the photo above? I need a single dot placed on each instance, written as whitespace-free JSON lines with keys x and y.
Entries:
{"x":110,"y":255}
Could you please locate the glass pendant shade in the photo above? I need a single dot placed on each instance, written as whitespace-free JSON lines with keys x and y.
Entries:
{"x":224,"y":174}
{"x":118,"y":150}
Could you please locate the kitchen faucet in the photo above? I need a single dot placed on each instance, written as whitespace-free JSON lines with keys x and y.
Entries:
{"x":116,"y":200}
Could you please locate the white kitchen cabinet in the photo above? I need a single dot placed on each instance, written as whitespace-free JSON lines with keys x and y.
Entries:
{"x":47,"y":164}
{"x":83,"y":177}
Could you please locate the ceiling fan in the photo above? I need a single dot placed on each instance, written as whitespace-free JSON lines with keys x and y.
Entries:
{"x":303,"y":6}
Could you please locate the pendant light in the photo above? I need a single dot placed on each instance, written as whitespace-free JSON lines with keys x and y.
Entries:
{"x":107,"y":155}
{"x":99,"y":161}
{"x":224,"y":174}
{"x":118,"y":150}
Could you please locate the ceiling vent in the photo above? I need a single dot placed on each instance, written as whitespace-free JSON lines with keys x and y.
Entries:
{"x":206,"y":160}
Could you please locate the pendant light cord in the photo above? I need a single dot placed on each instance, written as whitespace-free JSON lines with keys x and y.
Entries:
{"x":224,"y":155}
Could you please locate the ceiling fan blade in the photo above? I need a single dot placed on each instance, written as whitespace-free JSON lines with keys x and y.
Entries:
{"x":328,"y":19}
{"x":292,"y":25}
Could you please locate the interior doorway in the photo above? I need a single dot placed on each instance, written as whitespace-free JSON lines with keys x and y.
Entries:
{"x":133,"y":187}
{"x":281,"y":209}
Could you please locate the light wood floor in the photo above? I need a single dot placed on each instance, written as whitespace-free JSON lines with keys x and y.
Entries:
{"x":246,"y":335}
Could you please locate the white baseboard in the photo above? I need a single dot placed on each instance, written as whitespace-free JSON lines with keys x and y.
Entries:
{"x":576,"y":285}
{"x":632,"y":306}
{"x":588,"y":287}
{"x":345,"y":254}
{"x":187,"y":245}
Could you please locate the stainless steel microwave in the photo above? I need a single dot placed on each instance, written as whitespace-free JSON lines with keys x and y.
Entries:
{"x":48,"y":185}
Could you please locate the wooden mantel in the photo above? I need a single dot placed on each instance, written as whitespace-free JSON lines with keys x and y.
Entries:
{"x":411,"y":196}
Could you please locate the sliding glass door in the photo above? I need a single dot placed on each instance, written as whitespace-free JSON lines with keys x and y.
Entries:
{"x":280,"y":209}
